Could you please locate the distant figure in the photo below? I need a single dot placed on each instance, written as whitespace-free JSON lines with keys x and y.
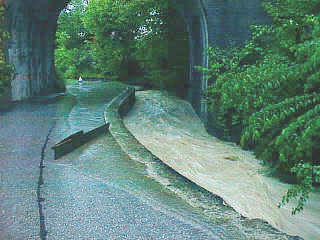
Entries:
{"x":80,"y":79}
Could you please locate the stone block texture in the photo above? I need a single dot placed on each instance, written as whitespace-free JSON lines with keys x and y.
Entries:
{"x":215,"y":23}
{"x":32,"y":26}
{"x":209,"y":23}
{"x":229,"y":20}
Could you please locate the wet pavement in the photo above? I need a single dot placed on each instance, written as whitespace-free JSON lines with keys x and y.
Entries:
{"x":97,"y":191}
{"x":23,"y":132}
{"x":83,"y":195}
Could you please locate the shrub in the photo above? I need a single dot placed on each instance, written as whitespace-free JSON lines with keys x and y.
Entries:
{"x":269,"y":88}
{"x":5,"y":69}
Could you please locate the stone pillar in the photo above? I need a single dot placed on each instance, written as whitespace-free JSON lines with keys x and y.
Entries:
{"x":31,"y":47}
{"x":195,"y":18}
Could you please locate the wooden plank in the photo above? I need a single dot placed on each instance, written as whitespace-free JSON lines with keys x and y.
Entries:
{"x":76,"y":140}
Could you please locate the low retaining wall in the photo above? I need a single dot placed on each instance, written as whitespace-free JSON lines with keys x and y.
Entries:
{"x":120,"y":105}
{"x":114,"y":112}
{"x":76,"y":140}
{"x":93,"y":79}
{"x":117,"y":108}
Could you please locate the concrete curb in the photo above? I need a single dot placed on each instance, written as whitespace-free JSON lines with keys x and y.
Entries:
{"x":115,"y":110}
{"x":113,"y":114}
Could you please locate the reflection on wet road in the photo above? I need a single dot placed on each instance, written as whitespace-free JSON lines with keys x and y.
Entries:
{"x":158,"y":189}
{"x":97,"y":191}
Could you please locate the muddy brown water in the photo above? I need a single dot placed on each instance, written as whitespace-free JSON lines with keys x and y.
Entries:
{"x":171,"y":130}
{"x":154,"y":183}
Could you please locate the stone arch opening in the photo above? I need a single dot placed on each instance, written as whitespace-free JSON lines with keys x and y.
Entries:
{"x":178,"y":51}
{"x":32,"y":29}
{"x":194,"y":14}
{"x":31,"y":46}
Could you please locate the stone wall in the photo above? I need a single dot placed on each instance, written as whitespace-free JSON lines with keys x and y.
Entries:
{"x":229,"y":20}
{"x":31,"y":48}
{"x":209,"y":22}
{"x":113,"y":114}
{"x":120,"y":105}
{"x":214,"y":23}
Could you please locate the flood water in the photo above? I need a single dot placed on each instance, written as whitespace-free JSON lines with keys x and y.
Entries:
{"x":153,"y":183}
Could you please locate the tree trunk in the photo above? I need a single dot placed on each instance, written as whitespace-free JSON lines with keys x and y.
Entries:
{"x":31,"y":48}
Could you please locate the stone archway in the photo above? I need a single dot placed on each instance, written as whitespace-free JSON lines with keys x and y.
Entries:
{"x":33,"y":28}
{"x":194,"y":14}
{"x":31,"y":47}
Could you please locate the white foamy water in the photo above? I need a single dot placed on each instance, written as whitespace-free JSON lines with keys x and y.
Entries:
{"x":170,"y":129}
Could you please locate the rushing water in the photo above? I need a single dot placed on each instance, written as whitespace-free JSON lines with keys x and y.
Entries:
{"x":170,"y":129}
{"x":154,"y":183}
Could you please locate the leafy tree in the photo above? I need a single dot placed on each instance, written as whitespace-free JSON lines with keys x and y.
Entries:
{"x":114,"y":28}
{"x":139,"y":37}
{"x":5,"y":69}
{"x":269,"y":89}
{"x":165,"y":54}
{"x":73,"y":55}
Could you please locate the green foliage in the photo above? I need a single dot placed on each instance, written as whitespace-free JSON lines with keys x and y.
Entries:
{"x":114,"y":27}
{"x":139,"y":37}
{"x":73,"y":57}
{"x":269,"y":88}
{"x":164,"y":56}
{"x":307,"y":174}
{"x":5,"y":69}
{"x":272,"y":128}
{"x":142,"y":40}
